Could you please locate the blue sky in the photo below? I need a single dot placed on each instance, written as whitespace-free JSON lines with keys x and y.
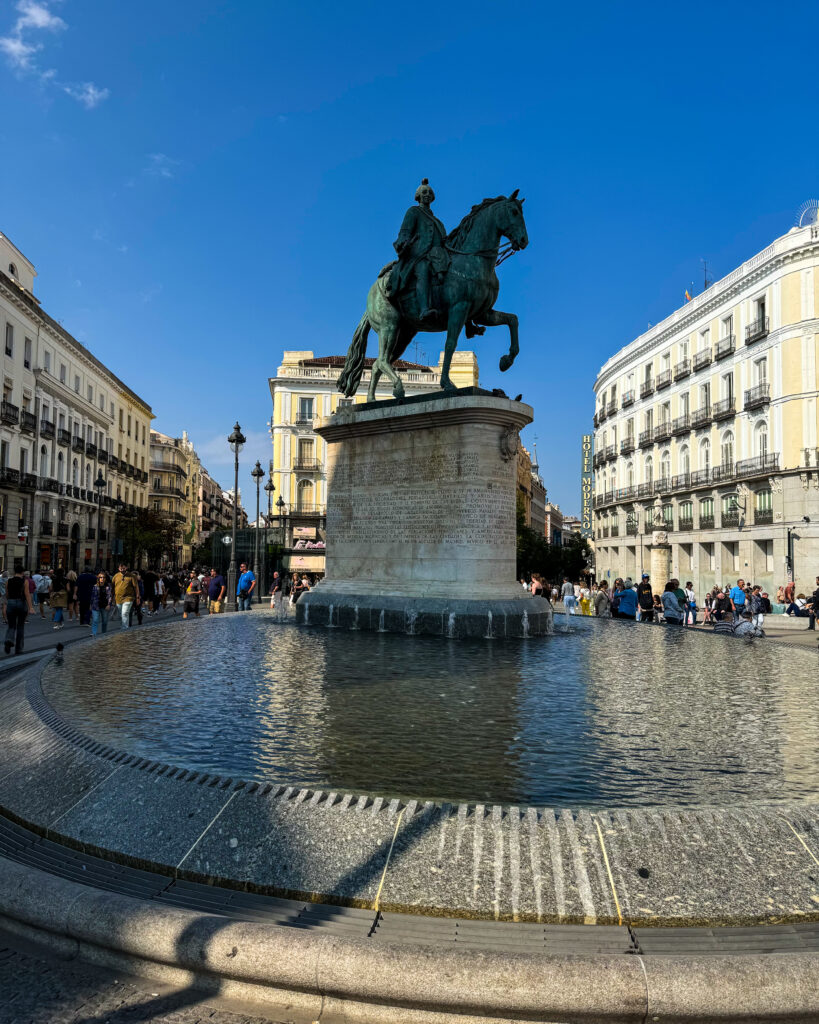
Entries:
{"x":203,"y":184}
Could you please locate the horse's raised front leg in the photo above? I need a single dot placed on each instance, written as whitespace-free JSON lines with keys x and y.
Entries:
{"x":455,"y":322}
{"x":496,"y":318}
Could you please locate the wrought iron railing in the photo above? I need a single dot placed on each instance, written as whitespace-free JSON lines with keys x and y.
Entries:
{"x":681,"y":425}
{"x":682,"y":369}
{"x":757,"y":396}
{"x":703,"y":358}
{"x":758,"y":329}
{"x":725,"y":346}
{"x":724,"y":409}
{"x":663,"y":379}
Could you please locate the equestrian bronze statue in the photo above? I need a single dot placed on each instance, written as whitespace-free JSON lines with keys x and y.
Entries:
{"x":440,"y":282}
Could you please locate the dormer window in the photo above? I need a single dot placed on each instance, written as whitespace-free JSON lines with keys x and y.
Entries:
{"x":12,"y":270}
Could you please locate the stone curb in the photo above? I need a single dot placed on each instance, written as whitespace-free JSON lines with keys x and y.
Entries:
{"x":303,"y":974}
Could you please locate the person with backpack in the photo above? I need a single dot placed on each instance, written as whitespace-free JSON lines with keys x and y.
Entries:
{"x":102,"y":600}
{"x":17,"y":607}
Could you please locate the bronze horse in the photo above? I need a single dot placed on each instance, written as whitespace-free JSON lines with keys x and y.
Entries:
{"x":466,"y":296}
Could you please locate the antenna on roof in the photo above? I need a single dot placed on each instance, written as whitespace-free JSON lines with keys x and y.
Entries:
{"x":706,"y":281}
{"x":420,"y":357}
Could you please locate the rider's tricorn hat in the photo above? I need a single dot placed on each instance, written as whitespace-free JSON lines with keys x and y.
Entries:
{"x":424,"y":184}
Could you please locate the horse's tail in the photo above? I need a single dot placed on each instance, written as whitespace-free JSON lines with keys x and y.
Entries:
{"x":350,"y":376}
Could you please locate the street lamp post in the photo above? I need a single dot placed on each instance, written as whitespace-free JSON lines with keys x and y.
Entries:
{"x":236,"y":442}
{"x":269,"y":490}
{"x":99,"y":487}
{"x":257,"y":473}
{"x":280,"y":507}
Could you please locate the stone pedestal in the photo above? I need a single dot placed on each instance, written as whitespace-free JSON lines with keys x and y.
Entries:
{"x":421,"y":518}
{"x":660,"y":560}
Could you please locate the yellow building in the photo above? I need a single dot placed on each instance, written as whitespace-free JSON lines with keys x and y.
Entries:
{"x":706,"y":429}
{"x":303,"y":390}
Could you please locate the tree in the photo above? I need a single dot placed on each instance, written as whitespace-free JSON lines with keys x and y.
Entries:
{"x":551,"y":561}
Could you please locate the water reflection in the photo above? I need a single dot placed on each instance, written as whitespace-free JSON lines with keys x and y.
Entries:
{"x":607,"y":714}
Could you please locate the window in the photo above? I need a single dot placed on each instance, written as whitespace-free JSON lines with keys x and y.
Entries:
{"x":728,"y":325}
{"x":76,"y":383}
{"x":47,"y":361}
{"x":121,"y":422}
{"x":761,"y":371}
{"x":668,"y":517}
{"x":649,"y":470}
{"x":630,"y":474}
{"x":665,"y":412}
{"x":649,"y":419}
{"x":705,"y":395}
{"x":707,"y":508}
{"x":727,"y":384}
{"x":686,"y":511}
{"x":761,"y":439}
{"x":12,"y":270}
{"x":685,"y":460}
{"x":344,"y":402}
{"x":665,"y":466}
{"x":648,"y":373}
{"x":9,"y":340}
{"x":666,"y":361}
{"x":129,"y":424}
{"x":705,"y":454}
{"x":43,"y":461}
{"x":684,"y":350}
{"x":305,"y":409}
{"x":684,"y":403}
{"x":727,"y":448}
{"x":90,"y":393}
{"x":305,"y":493}
{"x":705,"y":339}
{"x":102,"y":403}
{"x":763,"y":501}
{"x":759,"y":309}
{"x":62,"y":373}
{"x":60,"y":468}
{"x":27,"y":353}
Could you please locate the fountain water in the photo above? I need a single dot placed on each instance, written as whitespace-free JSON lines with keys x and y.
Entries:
{"x":381,"y":627}
{"x":330,"y":622}
{"x":524,"y":624}
{"x":411,"y":619}
{"x":489,"y":624}
{"x":355,"y":618}
{"x":450,"y":625}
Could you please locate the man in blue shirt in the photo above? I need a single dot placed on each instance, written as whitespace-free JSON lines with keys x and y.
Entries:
{"x":737,"y":596}
{"x":626,"y":601}
{"x":245,"y":587}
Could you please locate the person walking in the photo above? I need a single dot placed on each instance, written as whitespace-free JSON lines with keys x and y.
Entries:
{"x":73,"y":607}
{"x":536,"y":587}
{"x":17,"y":608}
{"x":58,"y":598}
{"x":585,"y":599}
{"x":602,"y":601}
{"x":672,"y":612}
{"x":690,"y":605}
{"x":567,"y":593}
{"x":102,"y":600}
{"x":645,"y":599}
{"x":738,"y":598}
{"x":43,"y":590}
{"x":126,"y":594}
{"x":276,"y":593}
{"x":245,"y":587}
{"x":216,"y":593}
{"x":85,"y":584}
{"x":192,"y":594}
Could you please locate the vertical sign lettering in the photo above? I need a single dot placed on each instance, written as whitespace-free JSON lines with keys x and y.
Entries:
{"x":586,"y":486}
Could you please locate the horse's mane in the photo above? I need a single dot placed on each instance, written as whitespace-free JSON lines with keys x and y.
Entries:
{"x":457,"y":237}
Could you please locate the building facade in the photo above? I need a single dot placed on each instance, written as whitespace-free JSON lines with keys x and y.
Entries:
{"x":706,"y":430}
{"x":73,"y":437}
{"x":303,"y":390}
{"x":553,"y":530}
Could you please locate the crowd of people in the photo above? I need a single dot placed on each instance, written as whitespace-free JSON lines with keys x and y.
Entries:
{"x":739,"y":609}
{"x":95,"y":599}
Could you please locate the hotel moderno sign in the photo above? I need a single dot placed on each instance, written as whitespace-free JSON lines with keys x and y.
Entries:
{"x":586,"y":486}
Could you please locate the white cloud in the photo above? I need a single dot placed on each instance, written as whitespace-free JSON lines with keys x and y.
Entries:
{"x":160,"y":166}
{"x":20,"y":49}
{"x":87,"y":94}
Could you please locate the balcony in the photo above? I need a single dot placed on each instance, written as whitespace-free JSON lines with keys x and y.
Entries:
{"x":719,"y":474}
{"x":9,"y":413}
{"x":706,"y":522}
{"x":662,"y":431}
{"x":102,"y":456}
{"x":74,"y":490}
{"x":28,"y":481}
{"x":598,"y":460}
{"x":63,"y":436}
{"x":725,"y":347}
{"x":760,"y":466}
{"x":611,"y":408}
{"x":758,"y":329}
{"x":682,"y":369}
{"x":627,"y":446}
{"x":730,"y":518}
{"x":646,"y":438}
{"x":28,"y":422}
{"x":703,"y":358}
{"x":301,"y":422}
{"x":663,"y":485}
{"x":681,"y":481}
{"x":663,"y":379}
{"x":763,"y":516}
{"x":701,"y":417}
{"x":307,"y":465}
{"x":602,"y":415}
{"x":685,"y":524}
{"x":627,"y":399}
{"x":757,"y":396}
{"x":168,"y":467}
{"x":129,"y":470}
{"x":307,"y":510}
{"x":91,"y":449}
{"x":9,"y":475}
{"x":646,"y":388}
{"x":62,"y":529}
{"x":46,"y":528}
{"x":610,"y":453}
{"x":78,"y":444}
{"x":47,"y":483}
{"x":681,"y":425}
{"x":700,"y":477}
{"x":596,"y":420}
{"x":645,"y":490}
{"x":632,"y":528}
{"x":724,"y":409}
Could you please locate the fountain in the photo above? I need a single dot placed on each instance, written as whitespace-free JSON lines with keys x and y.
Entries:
{"x":421,"y":519}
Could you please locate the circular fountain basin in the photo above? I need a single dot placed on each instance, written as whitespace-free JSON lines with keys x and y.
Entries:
{"x":604,"y":714}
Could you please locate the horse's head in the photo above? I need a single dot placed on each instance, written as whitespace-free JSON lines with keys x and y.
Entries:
{"x":510,"y":221}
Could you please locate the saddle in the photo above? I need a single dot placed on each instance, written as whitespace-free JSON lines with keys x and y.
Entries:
{"x":440,"y":265}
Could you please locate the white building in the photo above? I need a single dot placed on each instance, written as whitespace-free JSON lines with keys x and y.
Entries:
{"x":708,"y":422}
{"x":65,"y":422}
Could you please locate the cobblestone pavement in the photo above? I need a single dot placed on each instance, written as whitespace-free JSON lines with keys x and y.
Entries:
{"x":48,"y":991}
